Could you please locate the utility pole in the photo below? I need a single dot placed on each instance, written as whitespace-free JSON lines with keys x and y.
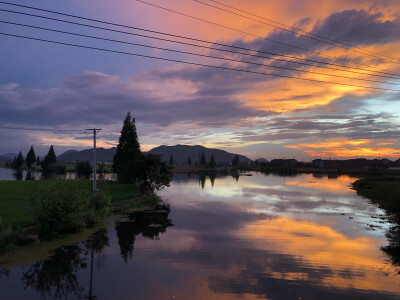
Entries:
{"x":95,"y":130}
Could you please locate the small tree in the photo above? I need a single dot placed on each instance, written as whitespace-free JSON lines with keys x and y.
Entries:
{"x":18,"y":161}
{"x":235,"y":161}
{"x":171,"y":160}
{"x":50,"y":158}
{"x":203,"y":162}
{"x":83,"y":168}
{"x":212,"y":162}
{"x":30,"y":158}
{"x":189,"y":161}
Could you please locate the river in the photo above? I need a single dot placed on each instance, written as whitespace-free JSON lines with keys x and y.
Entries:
{"x":260,"y":236}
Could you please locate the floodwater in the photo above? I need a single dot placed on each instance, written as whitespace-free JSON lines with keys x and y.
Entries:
{"x":258,"y":237}
{"x":9,"y":174}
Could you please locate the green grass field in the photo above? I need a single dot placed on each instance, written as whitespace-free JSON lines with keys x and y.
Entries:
{"x":16,"y":197}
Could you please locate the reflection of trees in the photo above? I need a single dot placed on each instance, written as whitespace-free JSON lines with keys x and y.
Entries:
{"x":96,"y":244}
{"x":56,"y":278}
{"x":18,"y":175}
{"x":30,"y":176}
{"x":212,"y":178}
{"x":148,"y":223}
{"x":4,"y":272}
{"x":202,"y":180}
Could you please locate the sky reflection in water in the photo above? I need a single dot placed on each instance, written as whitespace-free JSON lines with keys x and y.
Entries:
{"x":259,"y":237}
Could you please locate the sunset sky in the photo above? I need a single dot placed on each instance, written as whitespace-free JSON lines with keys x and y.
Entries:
{"x":45,"y":85}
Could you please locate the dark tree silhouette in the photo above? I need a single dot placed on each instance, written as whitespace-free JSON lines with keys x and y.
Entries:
{"x":132,"y":166}
{"x":212,"y":162}
{"x":235,"y":161}
{"x":203,"y":161}
{"x":50,"y":158}
{"x":18,"y":161}
{"x":128,"y":162}
{"x":171,"y":160}
{"x":30,"y":158}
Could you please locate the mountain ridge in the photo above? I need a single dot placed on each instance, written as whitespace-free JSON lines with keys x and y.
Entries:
{"x":181,"y":154}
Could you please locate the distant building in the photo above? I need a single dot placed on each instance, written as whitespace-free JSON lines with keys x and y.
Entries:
{"x":351,"y":164}
{"x":284,"y":163}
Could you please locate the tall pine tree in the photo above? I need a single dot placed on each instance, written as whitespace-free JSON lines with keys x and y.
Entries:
{"x":128,"y":160}
{"x":30,"y":158}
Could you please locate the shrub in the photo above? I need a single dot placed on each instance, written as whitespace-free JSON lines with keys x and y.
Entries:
{"x":60,"y":208}
{"x":83,"y":168}
{"x":98,"y":208}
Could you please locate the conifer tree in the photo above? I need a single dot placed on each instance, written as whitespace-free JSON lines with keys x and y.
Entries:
{"x":235,"y":161}
{"x":171,"y":160}
{"x":128,"y":160}
{"x":50,"y":158}
{"x":212,"y":162}
{"x":30,"y":158}
{"x":203,"y":161}
{"x":18,"y":161}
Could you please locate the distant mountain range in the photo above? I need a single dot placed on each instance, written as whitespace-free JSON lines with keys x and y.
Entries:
{"x":7,"y":156}
{"x":106,"y":155}
{"x":181,"y":154}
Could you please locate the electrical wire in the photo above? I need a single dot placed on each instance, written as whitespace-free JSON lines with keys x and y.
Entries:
{"x":307,"y":34}
{"x":245,"y":32}
{"x":196,"y":64}
{"x":163,"y":33}
{"x":194,"y":54}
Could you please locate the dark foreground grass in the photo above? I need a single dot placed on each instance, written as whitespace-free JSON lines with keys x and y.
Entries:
{"x":16,"y":198}
{"x":381,"y":190}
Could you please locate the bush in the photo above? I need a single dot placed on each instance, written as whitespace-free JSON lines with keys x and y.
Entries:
{"x":83,"y":168}
{"x":55,"y":168}
{"x":60,"y":209}
{"x":98,"y":208}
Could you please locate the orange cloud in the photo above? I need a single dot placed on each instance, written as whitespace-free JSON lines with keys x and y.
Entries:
{"x":347,"y":149}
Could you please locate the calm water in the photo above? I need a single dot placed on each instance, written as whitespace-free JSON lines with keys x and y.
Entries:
{"x":301,"y":237}
{"x":9,"y":174}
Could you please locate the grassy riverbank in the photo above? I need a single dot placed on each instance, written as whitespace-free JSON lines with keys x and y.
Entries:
{"x":16,"y":197}
{"x":381,"y":190}
{"x":384,"y":191}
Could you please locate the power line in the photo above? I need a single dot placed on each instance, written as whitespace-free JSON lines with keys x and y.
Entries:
{"x":199,"y":40}
{"x":244,"y":32}
{"x":196,"y":64}
{"x":307,"y":34}
{"x":39,"y":129}
{"x":194,"y":54}
{"x":301,"y":30}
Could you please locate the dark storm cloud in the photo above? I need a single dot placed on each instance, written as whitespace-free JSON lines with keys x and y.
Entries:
{"x":371,"y":126}
{"x":98,"y":98}
{"x":356,"y":27}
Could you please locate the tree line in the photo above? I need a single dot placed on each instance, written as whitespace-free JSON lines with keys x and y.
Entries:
{"x":212,"y":164}
{"x":48,"y":164}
